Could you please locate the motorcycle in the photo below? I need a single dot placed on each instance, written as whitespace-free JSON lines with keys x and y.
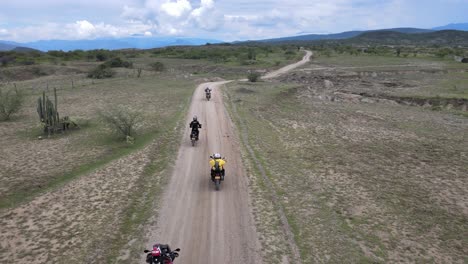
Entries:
{"x":160,"y":255}
{"x":208,"y":96}
{"x":194,"y":137}
{"x":217,"y":178}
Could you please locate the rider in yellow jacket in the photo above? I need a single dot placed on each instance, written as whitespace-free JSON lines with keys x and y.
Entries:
{"x":217,"y":163}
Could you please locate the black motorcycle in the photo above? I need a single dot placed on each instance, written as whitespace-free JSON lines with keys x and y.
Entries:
{"x":194,"y":137}
{"x":217,"y":178}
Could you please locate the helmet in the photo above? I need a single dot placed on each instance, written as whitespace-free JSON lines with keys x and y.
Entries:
{"x":194,"y":118}
{"x":156,"y":252}
{"x":217,"y":156}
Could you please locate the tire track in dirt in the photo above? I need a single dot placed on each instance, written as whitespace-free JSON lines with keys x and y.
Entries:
{"x":213,"y":226}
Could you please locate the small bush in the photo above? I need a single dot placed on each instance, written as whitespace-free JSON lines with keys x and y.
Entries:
{"x":101,"y":56}
{"x":252,"y":54}
{"x":38,"y":71}
{"x":253,"y":76}
{"x":122,"y":121}
{"x":10,"y":103}
{"x":5,"y":60}
{"x":101,"y":72}
{"x":157,"y":66}
{"x":118,"y":62}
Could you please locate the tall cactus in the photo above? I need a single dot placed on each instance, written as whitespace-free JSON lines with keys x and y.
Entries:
{"x":48,"y":113}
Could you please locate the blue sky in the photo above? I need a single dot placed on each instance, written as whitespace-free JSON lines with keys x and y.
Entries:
{"x":29,"y":20}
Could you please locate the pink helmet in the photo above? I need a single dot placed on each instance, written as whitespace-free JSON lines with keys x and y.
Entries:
{"x":156,"y":252}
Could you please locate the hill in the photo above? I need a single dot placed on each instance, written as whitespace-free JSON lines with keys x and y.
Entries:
{"x":13,"y":46}
{"x":111,"y":43}
{"x":6,"y":46}
{"x":343,"y":35}
{"x":443,"y":37}
{"x":457,"y":26}
{"x":24,"y":49}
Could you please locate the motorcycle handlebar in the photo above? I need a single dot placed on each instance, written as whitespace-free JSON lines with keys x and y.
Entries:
{"x":176,"y":251}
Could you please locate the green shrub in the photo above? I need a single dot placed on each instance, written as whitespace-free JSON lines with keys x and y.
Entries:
{"x":38,"y":71}
{"x":157,"y":66}
{"x":252,"y":54}
{"x":101,"y":72}
{"x":101,"y":56}
{"x":118,"y":62}
{"x":10,"y":103}
{"x":253,"y":76}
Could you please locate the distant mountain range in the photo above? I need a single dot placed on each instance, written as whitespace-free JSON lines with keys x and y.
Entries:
{"x":8,"y":45}
{"x":441,"y":37}
{"x":107,"y":43}
{"x":352,"y":34}
{"x":407,"y":36}
{"x":343,"y":35}
{"x":139,"y":42}
{"x":459,"y":26}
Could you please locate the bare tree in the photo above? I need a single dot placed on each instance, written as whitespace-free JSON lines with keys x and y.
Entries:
{"x":123,"y":121}
{"x":10,"y":103}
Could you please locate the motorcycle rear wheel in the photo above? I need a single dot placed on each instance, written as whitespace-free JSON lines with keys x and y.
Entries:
{"x":217,"y":184}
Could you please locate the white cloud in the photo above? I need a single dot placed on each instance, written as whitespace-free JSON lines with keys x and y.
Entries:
{"x":84,"y":29}
{"x":177,"y":8}
{"x":23,"y":20}
{"x":133,"y":13}
{"x":81,"y":29}
{"x":148,"y":34}
{"x":176,"y":17}
{"x":206,"y":17}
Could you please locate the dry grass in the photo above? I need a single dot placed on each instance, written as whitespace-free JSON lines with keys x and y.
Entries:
{"x":360,"y":181}
{"x":81,"y":197}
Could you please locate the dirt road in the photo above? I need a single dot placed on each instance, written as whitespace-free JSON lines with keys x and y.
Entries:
{"x":210,"y":226}
{"x":289,"y":67}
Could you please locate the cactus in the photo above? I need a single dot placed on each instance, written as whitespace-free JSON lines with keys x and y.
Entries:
{"x":48,"y":113}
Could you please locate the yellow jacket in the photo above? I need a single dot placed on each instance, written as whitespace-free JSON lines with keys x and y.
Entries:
{"x":221,"y":163}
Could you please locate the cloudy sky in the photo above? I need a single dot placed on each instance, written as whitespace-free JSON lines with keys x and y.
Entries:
{"x":29,"y":20}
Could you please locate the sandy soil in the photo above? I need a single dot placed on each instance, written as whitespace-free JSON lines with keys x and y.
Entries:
{"x":374,"y":181}
{"x":79,"y":213}
{"x":72,"y":220}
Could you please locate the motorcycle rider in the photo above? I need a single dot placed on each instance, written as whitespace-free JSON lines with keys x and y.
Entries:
{"x":207,"y":90}
{"x":195,"y":125}
{"x":217,"y":165}
{"x":164,"y":249}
